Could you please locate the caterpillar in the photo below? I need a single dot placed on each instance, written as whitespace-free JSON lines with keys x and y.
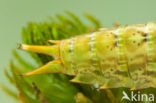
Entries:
{"x":123,"y":56}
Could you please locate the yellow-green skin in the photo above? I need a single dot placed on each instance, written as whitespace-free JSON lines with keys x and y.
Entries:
{"x":118,"y":57}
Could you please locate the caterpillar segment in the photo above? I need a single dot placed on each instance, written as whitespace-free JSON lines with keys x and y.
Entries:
{"x":124,"y":56}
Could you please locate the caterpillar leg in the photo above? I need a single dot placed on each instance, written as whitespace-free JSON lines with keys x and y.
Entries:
{"x":49,"y":50}
{"x":111,"y":83}
{"x":51,"y":67}
{"x":133,"y":88}
{"x":84,"y":78}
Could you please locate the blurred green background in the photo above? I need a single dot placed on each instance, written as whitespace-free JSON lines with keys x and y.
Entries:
{"x":14,"y":14}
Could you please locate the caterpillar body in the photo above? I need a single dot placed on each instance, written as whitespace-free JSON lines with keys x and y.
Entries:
{"x":124,"y":56}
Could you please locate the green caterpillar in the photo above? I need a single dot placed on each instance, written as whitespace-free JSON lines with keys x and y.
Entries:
{"x":123,"y":56}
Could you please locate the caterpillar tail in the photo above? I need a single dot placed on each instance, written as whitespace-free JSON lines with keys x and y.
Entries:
{"x":51,"y":67}
{"x":54,"y":41}
{"x":54,"y":66}
{"x":49,"y":50}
